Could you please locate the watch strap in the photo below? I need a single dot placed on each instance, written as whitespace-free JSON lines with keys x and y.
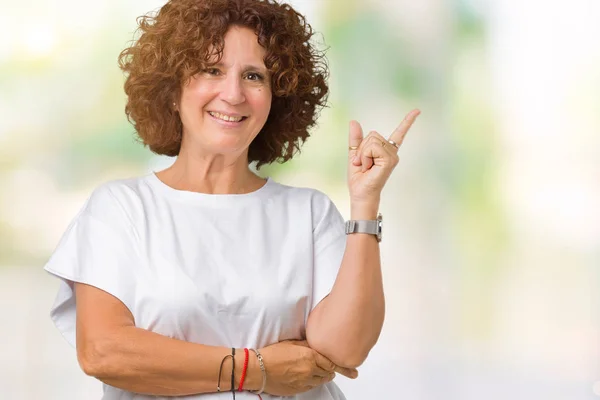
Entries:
{"x":362,"y":226}
{"x":372,"y":227}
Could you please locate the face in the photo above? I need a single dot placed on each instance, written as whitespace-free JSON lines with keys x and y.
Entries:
{"x":225,"y":106}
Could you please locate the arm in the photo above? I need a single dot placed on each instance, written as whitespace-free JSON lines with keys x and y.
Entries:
{"x":346,"y":324}
{"x":112,"y":349}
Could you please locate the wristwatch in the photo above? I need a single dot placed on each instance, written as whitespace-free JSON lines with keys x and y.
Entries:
{"x":373,"y":227}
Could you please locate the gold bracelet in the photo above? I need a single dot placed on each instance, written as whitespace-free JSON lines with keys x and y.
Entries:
{"x":262,"y":369}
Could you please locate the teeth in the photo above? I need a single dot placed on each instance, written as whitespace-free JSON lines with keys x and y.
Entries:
{"x":225,"y":117}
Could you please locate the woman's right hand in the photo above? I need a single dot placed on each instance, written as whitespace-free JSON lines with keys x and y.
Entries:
{"x":292,"y":367}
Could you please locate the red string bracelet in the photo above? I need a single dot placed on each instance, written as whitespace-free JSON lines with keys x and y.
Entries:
{"x":244,"y":370}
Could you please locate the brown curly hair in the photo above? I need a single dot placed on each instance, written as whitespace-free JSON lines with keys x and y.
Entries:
{"x":179,"y":40}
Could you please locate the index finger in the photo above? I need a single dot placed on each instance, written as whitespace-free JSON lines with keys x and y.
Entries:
{"x":400,"y":132}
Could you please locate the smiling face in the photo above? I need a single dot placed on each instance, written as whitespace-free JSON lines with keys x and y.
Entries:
{"x":225,"y":106}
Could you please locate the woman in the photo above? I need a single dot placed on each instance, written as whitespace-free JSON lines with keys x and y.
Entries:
{"x":164,"y":276}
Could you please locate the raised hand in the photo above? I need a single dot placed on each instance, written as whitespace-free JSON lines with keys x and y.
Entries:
{"x":372,"y":159}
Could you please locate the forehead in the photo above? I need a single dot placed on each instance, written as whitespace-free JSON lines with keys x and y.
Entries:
{"x":241,"y":47}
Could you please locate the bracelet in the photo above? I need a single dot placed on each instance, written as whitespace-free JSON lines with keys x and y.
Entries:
{"x":220,"y":370}
{"x":262,"y":369}
{"x":233,"y":372}
{"x":240,"y":389}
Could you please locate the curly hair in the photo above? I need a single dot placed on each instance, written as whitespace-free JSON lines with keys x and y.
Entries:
{"x":178,"y":41}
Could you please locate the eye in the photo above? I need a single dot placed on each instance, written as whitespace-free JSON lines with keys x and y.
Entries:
{"x":254,"y":76}
{"x":212,"y":71}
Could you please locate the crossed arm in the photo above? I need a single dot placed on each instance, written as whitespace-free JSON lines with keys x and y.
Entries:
{"x":111,"y":348}
{"x":343,"y":327}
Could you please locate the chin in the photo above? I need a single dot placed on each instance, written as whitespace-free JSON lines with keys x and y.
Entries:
{"x":228,"y":145}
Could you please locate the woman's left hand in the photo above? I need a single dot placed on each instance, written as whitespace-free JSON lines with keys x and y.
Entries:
{"x":372,"y":160}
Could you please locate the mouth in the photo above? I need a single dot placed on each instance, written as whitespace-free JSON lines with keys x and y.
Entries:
{"x":234,"y":119}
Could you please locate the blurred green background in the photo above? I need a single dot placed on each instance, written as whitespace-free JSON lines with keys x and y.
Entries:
{"x":491,"y":253}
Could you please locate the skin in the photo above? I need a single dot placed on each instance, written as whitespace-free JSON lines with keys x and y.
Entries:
{"x":372,"y":163}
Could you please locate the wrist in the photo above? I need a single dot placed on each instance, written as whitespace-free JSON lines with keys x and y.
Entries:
{"x":253,"y":379}
{"x":364,"y":211}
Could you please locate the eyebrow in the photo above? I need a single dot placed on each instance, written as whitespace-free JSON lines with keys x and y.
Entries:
{"x":245,"y":67}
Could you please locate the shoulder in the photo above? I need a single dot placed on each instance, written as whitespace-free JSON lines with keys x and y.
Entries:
{"x":305,"y":195}
{"x":115,"y":199}
{"x":322,"y":208}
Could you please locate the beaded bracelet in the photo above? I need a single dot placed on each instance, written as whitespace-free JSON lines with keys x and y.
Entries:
{"x":244,"y":370}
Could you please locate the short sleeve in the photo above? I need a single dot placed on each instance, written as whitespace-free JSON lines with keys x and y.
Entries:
{"x":329,"y":245}
{"x":99,"y":249}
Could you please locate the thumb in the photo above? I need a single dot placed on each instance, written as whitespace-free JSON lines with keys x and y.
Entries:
{"x":355,"y":138}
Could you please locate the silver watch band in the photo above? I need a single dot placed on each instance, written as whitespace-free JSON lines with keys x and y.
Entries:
{"x":362,"y":226}
{"x":372,"y":227}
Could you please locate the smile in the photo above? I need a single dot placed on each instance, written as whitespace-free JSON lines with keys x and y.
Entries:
{"x":225,"y":117}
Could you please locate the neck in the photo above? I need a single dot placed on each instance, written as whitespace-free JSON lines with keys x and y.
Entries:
{"x":211,"y":176}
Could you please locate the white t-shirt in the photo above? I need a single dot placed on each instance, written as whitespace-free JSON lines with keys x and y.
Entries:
{"x":232,"y":270}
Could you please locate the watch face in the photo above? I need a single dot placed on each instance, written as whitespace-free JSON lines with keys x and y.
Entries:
{"x":379,"y":227}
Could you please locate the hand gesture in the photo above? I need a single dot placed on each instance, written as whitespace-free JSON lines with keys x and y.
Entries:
{"x":372,"y":159}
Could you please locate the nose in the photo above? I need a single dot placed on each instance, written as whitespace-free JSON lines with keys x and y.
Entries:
{"x":232,"y":91}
